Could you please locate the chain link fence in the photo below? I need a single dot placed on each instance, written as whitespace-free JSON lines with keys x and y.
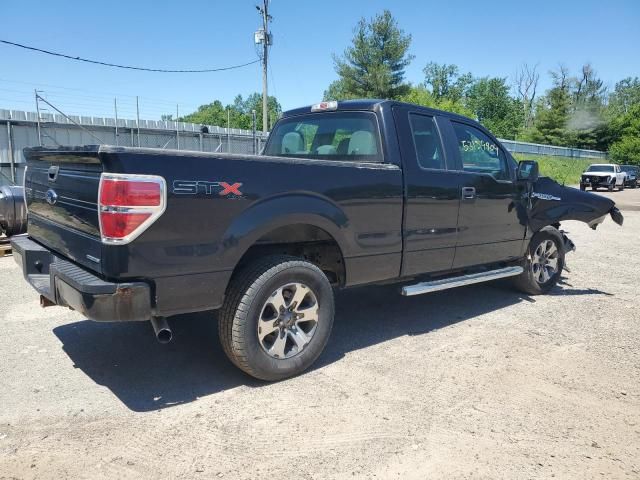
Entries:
{"x":19,"y":129}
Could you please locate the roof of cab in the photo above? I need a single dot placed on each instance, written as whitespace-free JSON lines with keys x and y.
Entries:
{"x":371,"y":105}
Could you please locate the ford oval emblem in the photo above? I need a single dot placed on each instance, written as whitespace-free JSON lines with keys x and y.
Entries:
{"x":52,"y":197}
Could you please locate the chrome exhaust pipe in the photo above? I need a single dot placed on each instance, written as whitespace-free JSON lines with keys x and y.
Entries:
{"x":162,"y":330}
{"x":45,"y":302}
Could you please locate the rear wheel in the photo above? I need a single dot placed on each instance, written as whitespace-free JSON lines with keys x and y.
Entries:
{"x":610,"y":187}
{"x":544,"y":263}
{"x":621,"y":187}
{"x":277,"y":317}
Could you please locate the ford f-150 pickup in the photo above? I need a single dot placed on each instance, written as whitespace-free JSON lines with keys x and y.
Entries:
{"x":344,"y":194}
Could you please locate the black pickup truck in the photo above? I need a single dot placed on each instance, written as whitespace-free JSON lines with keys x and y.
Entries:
{"x":344,"y":194}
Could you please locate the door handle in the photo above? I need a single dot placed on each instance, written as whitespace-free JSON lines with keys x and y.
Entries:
{"x":53,"y":172}
{"x":468,"y":193}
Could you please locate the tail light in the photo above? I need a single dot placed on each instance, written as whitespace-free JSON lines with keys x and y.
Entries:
{"x":128,"y":205}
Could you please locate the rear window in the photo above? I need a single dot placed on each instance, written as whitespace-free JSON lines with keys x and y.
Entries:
{"x":329,"y":136}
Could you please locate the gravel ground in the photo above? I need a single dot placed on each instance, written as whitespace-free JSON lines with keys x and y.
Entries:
{"x":479,"y":382}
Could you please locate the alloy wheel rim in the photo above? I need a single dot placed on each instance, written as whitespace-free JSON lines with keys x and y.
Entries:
{"x":544,"y":261}
{"x":288,"y":321}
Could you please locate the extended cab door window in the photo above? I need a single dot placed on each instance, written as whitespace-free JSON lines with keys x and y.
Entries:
{"x":479,"y":153}
{"x":426,"y":142}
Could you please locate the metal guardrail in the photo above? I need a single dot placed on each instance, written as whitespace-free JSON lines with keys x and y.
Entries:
{"x":551,"y":150}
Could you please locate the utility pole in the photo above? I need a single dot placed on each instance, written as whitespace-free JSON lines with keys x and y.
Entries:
{"x":115,"y":109}
{"x":263,"y":37}
{"x":138,"y":119}
{"x":253,"y":117}
{"x":38,"y":113}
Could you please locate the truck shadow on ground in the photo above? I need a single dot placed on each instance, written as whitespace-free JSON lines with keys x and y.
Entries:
{"x":146,"y":375}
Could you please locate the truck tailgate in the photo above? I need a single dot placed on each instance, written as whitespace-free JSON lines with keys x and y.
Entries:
{"x":61,"y":190}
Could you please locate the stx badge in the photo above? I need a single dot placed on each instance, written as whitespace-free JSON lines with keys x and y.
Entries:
{"x":194,"y":187}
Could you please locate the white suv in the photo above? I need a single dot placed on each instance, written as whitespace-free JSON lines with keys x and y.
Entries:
{"x":603,"y":175}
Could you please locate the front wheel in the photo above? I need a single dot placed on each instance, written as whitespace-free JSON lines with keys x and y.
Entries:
{"x":544,"y":263}
{"x":277,"y":317}
{"x":583,"y":187}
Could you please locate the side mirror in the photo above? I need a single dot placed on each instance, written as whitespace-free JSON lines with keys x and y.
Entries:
{"x":528,"y":170}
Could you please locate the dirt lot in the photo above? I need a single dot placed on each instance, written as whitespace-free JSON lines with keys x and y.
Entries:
{"x":479,"y":382}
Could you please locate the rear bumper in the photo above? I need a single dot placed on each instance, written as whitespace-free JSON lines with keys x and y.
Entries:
{"x":66,"y":284}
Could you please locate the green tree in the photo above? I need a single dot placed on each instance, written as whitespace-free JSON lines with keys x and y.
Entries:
{"x":625,"y":95}
{"x":337,"y":90}
{"x":244,"y":108}
{"x":626,"y":148}
{"x":586,"y":126}
{"x":419,"y":95}
{"x":445,"y":81}
{"x":620,"y":110}
{"x":491,"y":104}
{"x":239,"y":112}
{"x":373,"y":66}
{"x":210,"y":114}
{"x":552,"y":112}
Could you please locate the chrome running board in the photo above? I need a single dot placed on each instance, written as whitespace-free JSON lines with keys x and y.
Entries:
{"x":446,"y":283}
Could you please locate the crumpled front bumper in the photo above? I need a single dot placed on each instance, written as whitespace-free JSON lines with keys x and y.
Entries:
{"x":63,"y":283}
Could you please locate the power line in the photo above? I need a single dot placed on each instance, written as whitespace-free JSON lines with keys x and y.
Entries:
{"x":127,"y":67}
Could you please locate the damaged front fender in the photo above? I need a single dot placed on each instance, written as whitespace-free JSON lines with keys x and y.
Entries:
{"x":551,"y":203}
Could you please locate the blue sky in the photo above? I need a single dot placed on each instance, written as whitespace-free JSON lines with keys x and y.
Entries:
{"x":485,"y":38}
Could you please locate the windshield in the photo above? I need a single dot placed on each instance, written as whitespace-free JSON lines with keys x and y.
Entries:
{"x":600,"y":168}
{"x":328,"y":136}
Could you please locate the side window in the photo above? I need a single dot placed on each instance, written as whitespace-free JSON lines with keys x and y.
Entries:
{"x":426,"y":142}
{"x":479,"y":153}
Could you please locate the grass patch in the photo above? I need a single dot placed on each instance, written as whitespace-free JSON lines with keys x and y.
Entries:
{"x":562,"y":169}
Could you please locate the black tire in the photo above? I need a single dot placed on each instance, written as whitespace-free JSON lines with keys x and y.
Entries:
{"x":610,"y":187}
{"x":594,"y":188}
{"x":583,"y":187}
{"x":526,"y":282}
{"x":246,"y":296}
